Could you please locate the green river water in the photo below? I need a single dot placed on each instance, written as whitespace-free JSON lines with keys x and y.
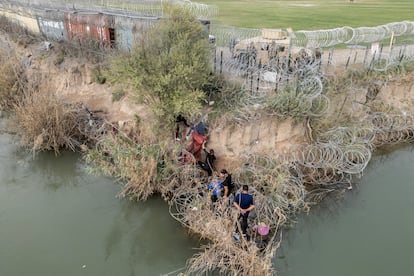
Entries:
{"x":57,"y":220}
{"x":368,"y":233}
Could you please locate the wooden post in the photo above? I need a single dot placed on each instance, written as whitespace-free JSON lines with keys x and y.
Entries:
{"x":251,"y":66}
{"x":258,"y":75}
{"x":215,"y":59}
{"x":391,"y":43}
{"x":371,"y":64}
{"x":221,"y":62}
{"x":380,"y":54}
{"x":365,"y":56}
{"x":277,"y":72}
{"x":288,"y":57}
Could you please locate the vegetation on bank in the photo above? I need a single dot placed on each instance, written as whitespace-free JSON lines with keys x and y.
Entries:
{"x":44,"y":121}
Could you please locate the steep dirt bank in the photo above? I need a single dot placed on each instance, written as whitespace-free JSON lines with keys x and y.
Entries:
{"x":73,"y":80}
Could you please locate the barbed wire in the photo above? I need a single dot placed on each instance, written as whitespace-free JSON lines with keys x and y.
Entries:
{"x":349,"y":35}
{"x":152,"y":8}
{"x":321,"y":38}
{"x":299,"y":88}
{"x":226,"y":35}
{"x":345,"y":151}
{"x":198,"y":9}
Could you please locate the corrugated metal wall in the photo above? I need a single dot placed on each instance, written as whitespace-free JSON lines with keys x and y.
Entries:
{"x":53,"y":29}
{"x":120,"y":30}
{"x":93,"y":26}
{"x":128,"y":30}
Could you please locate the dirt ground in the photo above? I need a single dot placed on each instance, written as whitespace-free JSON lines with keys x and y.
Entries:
{"x":73,"y":80}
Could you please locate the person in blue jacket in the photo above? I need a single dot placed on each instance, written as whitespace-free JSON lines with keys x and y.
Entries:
{"x":215,"y":187}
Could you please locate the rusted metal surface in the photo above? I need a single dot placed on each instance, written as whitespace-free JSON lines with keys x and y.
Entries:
{"x":129,"y":30}
{"x":90,"y":26}
{"x":52,"y":29}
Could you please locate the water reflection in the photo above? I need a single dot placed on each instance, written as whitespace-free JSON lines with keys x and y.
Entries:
{"x":58,"y":171}
{"x":61,"y":221}
{"x":368,"y":232}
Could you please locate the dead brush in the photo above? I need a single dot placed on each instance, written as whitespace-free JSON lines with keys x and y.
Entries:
{"x":134,"y":164}
{"x":48,"y":123}
{"x":227,"y":258}
{"x":12,"y":81}
{"x":45,"y":123}
{"x":83,"y":47}
{"x":191,"y":205}
{"x":139,"y":162}
{"x":225,"y":255}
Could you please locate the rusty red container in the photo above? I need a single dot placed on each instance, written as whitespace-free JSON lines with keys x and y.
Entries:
{"x":91,"y":26}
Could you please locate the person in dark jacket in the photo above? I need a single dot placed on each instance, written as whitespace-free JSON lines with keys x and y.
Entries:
{"x":178,"y":120}
{"x":244,"y":203}
{"x":227,"y":183}
{"x":208,"y":165}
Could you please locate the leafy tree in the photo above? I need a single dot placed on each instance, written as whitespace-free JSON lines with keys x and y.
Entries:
{"x":169,"y":66}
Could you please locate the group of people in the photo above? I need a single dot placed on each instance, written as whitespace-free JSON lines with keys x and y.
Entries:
{"x":221,"y":186}
{"x":193,"y":152}
{"x":242,"y":201}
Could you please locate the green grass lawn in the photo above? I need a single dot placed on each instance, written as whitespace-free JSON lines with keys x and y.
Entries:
{"x":311,"y":15}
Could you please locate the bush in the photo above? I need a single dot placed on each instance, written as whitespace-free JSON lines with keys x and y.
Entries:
{"x":47,"y":123}
{"x":60,"y":58}
{"x":99,"y":78}
{"x":118,"y":94}
{"x":168,"y":67}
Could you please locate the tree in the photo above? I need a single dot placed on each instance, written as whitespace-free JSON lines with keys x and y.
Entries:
{"x":168,"y":66}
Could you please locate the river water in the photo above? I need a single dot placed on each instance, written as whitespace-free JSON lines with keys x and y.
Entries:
{"x":368,"y":233}
{"x":55,"y":219}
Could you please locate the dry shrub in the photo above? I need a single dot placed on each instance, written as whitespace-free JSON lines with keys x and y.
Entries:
{"x":47,"y":123}
{"x":230,"y":259}
{"x":192,"y":206}
{"x":12,"y":81}
{"x":136,"y":160}
{"x":82,"y":47}
{"x":217,"y":223}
